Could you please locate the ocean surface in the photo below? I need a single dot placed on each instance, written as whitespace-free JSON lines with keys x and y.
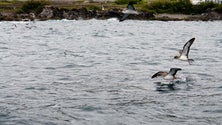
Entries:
{"x":98,"y":72}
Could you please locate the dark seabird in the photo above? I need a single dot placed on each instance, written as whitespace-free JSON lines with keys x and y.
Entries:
{"x":128,"y":11}
{"x":167,"y":75}
{"x":184,"y":53}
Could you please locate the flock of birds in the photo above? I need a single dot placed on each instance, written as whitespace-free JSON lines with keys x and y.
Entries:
{"x":183,"y":54}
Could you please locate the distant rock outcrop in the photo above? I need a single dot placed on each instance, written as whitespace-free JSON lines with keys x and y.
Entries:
{"x":54,"y":13}
{"x":82,"y":13}
{"x":47,"y":13}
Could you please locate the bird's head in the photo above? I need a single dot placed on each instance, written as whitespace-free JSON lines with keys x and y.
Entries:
{"x":176,"y":57}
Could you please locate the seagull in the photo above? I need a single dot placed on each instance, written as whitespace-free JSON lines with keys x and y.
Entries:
{"x":167,"y":75}
{"x":184,"y":53}
{"x":129,"y":10}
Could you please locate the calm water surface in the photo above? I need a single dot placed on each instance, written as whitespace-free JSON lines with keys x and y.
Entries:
{"x":98,"y":72}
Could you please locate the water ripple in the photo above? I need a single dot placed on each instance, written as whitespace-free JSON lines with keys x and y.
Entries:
{"x":99,"y":72}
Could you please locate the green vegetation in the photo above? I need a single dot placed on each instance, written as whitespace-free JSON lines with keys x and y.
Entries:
{"x":94,"y":7}
{"x":168,"y":6}
{"x":181,"y":6}
{"x":155,"y":6}
{"x":32,"y":6}
{"x":219,"y":8}
{"x":5,"y":2}
{"x":204,"y":7}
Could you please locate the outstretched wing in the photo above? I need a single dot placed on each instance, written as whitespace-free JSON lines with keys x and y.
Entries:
{"x":180,"y":51}
{"x":173,"y":71}
{"x":124,"y":17}
{"x":130,"y":9}
{"x":186,"y":47}
{"x":160,"y":73}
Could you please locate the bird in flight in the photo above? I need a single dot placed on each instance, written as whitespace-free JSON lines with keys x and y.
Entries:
{"x":184,"y":53}
{"x":128,"y":11}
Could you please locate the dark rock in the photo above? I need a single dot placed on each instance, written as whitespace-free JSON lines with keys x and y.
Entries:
{"x":47,"y":13}
{"x":82,"y":13}
{"x":213,"y":16}
{"x":50,"y":12}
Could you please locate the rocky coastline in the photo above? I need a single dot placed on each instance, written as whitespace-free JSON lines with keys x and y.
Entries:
{"x":55,"y":13}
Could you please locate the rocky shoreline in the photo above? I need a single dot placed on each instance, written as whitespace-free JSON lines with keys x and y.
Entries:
{"x":55,"y":13}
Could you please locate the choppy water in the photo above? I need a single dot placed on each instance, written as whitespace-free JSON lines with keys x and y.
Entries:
{"x":98,"y":72}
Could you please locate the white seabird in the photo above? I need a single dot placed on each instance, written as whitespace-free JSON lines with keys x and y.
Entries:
{"x":184,"y":53}
{"x":128,"y":11}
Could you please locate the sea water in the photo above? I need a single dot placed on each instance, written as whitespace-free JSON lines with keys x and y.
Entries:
{"x":98,"y":72}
